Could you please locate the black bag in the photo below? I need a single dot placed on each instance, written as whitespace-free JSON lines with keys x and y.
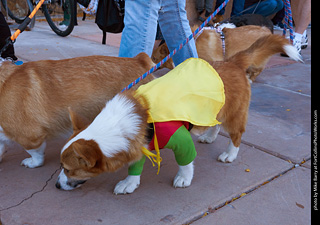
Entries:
{"x":85,"y":3}
{"x":109,"y":17}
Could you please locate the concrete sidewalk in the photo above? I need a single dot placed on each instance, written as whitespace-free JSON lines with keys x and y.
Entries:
{"x":275,"y":148}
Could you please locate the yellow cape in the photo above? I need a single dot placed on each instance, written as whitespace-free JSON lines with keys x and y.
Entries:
{"x":192,"y":92}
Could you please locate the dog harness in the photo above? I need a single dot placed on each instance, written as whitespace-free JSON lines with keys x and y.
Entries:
{"x":192,"y":93}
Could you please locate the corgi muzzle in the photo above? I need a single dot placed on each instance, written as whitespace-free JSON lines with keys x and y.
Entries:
{"x":66,"y":183}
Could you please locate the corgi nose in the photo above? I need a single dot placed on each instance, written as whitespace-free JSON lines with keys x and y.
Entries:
{"x":58,"y":185}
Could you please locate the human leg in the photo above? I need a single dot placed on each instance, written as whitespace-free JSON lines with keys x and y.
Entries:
{"x":301,"y":14}
{"x":140,"y":27}
{"x":237,"y":7}
{"x":4,"y":34}
{"x":209,"y":6}
{"x":218,"y":3}
{"x":302,"y":17}
{"x":175,"y":29}
{"x":200,"y":5}
{"x":265,"y":8}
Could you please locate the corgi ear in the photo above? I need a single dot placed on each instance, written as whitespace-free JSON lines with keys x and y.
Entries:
{"x":84,"y":154}
{"x":164,"y":49}
{"x":78,"y":121}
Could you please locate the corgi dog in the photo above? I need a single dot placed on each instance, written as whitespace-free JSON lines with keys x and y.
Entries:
{"x":118,"y":134}
{"x":34,"y":97}
{"x":209,"y":45}
{"x":241,"y":38}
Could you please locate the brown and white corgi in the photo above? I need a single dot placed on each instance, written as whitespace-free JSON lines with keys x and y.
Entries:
{"x":117,"y":135}
{"x":34,"y":97}
{"x":209,"y":45}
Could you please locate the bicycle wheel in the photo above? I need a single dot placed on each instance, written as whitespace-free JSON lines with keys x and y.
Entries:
{"x":19,"y":10}
{"x":60,"y":15}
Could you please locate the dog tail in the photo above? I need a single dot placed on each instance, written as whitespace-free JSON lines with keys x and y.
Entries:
{"x":260,"y":51}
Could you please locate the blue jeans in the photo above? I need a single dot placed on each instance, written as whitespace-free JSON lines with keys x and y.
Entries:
{"x":237,"y":7}
{"x":204,"y":5}
{"x":265,"y":8}
{"x":140,"y":29}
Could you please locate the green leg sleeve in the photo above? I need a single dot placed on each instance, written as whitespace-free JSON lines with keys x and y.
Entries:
{"x":182,"y":146}
{"x":137,"y":167}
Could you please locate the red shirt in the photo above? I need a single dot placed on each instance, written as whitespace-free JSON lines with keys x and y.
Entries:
{"x":164,"y":131}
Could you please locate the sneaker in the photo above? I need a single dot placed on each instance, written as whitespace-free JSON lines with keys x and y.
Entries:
{"x":278,"y":26}
{"x":64,"y":24}
{"x":296,"y":43}
{"x":9,"y":59}
{"x":304,"y":40}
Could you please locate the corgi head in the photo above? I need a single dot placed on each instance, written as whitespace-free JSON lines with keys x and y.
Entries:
{"x":114,"y":139}
{"x":160,"y":53}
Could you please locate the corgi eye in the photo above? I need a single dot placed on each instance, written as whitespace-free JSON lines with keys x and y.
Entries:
{"x":62,"y":167}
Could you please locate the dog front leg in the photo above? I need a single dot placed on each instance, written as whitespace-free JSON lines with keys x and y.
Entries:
{"x":230,"y":154}
{"x":128,"y":185}
{"x":184,"y":151}
{"x":233,"y":149}
{"x":2,"y":150}
{"x":37,"y":157}
{"x":184,"y":176}
{"x":210,"y":135}
{"x":3,"y":141}
{"x":132,"y":182}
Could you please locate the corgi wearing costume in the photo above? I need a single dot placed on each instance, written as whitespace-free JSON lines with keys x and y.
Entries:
{"x":198,"y":105}
{"x":193,"y":93}
{"x":195,"y":102}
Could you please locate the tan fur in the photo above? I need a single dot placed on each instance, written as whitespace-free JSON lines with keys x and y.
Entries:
{"x":271,"y":44}
{"x":159,"y":54}
{"x":241,"y":38}
{"x":34,"y":97}
{"x":209,"y":45}
{"x":84,"y":159}
{"x":233,"y":114}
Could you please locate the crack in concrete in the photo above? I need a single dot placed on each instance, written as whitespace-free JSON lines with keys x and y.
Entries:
{"x":34,"y":193}
{"x":265,"y":150}
{"x":210,"y":210}
{"x":237,"y":197}
{"x":232,"y":199}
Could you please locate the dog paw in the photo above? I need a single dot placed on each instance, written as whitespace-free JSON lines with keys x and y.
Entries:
{"x":184,"y":176}
{"x":32,"y":163}
{"x":2,"y":151}
{"x":230,"y":155}
{"x":210,"y":135}
{"x":128,"y":185}
{"x":205,"y":139}
{"x":37,"y":157}
{"x":181,"y":181}
{"x":227,"y":157}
